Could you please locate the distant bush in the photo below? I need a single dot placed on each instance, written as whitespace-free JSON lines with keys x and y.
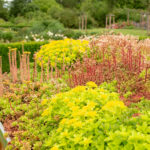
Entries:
{"x":130,"y":27}
{"x":6,"y":36}
{"x":47,"y":25}
{"x":73,"y":34}
{"x":121,"y":14}
{"x":144,"y":37}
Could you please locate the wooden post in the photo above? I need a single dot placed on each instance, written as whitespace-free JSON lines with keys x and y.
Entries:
{"x":82,"y":22}
{"x":113,"y":19}
{"x":1,"y":76}
{"x":106,"y":21}
{"x":109,"y":21}
{"x":148,"y":24}
{"x":141,"y":20}
{"x":85,"y":23}
{"x":28,"y":66}
{"x":148,"y":18}
{"x":128,"y":16}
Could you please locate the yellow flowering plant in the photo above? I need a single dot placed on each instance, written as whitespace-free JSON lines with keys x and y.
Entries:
{"x":80,"y":117}
{"x":113,"y":106}
{"x":62,"y":51}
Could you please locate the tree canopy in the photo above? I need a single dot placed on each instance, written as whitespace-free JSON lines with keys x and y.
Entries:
{"x":68,"y":11}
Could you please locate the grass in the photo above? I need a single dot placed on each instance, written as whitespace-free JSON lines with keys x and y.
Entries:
{"x":135,"y":32}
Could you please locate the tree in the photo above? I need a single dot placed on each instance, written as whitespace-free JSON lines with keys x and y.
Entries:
{"x":20,"y":7}
{"x":70,"y":3}
{"x":3,"y":10}
{"x":96,"y":9}
{"x":45,"y":5}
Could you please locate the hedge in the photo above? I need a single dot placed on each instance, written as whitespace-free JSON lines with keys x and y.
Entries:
{"x":14,"y":26}
{"x":29,"y":46}
{"x":144,"y":37}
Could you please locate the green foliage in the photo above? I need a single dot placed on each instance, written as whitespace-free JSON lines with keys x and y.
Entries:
{"x":68,"y":11}
{"x":3,"y":10}
{"x":73,"y":34}
{"x":20,"y":7}
{"x":86,"y":117}
{"x":28,"y":110}
{"x":70,"y":3}
{"x":65,"y":51}
{"x":69,"y":17}
{"x":30,"y":46}
{"x":96,"y":9}
{"x":44,"y":5}
{"x":91,"y":117}
{"x":6,"y":36}
{"x":144,"y":37}
{"x":47,"y":25}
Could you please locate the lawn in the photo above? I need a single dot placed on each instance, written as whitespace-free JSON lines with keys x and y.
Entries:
{"x":135,"y":32}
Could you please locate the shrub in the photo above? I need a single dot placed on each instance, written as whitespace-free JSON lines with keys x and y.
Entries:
{"x":63,"y":51}
{"x":7,"y":36}
{"x":91,"y":117}
{"x":109,"y":60}
{"x":72,"y":34}
{"x":30,"y":46}
{"x":96,"y":11}
{"x":121,"y":14}
{"x":144,"y":37}
{"x":54,"y":26}
{"x":47,"y":25}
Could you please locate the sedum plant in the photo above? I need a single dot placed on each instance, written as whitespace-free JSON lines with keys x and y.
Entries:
{"x":92,"y":117}
{"x":63,"y":51}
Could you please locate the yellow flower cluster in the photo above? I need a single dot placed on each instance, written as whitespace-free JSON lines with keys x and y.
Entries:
{"x":113,"y":105}
{"x":62,"y":51}
{"x":54,"y":148}
{"x":91,"y":84}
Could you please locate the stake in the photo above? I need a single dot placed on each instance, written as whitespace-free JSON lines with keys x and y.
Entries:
{"x":1,"y":76}
{"x":28,"y":66}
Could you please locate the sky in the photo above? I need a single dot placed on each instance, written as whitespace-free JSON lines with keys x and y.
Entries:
{"x":8,"y":0}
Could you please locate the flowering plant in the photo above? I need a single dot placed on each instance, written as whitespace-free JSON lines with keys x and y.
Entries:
{"x":77,"y":117}
{"x":63,"y":51}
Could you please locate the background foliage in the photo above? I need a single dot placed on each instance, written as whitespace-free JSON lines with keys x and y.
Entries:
{"x":68,"y":11}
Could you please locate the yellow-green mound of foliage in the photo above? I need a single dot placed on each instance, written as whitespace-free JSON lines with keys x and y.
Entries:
{"x":92,"y":117}
{"x":63,"y":51}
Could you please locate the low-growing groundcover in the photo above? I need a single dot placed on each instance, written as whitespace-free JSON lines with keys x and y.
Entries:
{"x":21,"y":109}
{"x":91,"y":117}
{"x":86,"y":117}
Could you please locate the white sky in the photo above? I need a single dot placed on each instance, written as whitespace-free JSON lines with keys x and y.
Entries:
{"x":8,"y":0}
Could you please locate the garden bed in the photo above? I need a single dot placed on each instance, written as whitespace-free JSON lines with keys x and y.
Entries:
{"x":79,"y":94}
